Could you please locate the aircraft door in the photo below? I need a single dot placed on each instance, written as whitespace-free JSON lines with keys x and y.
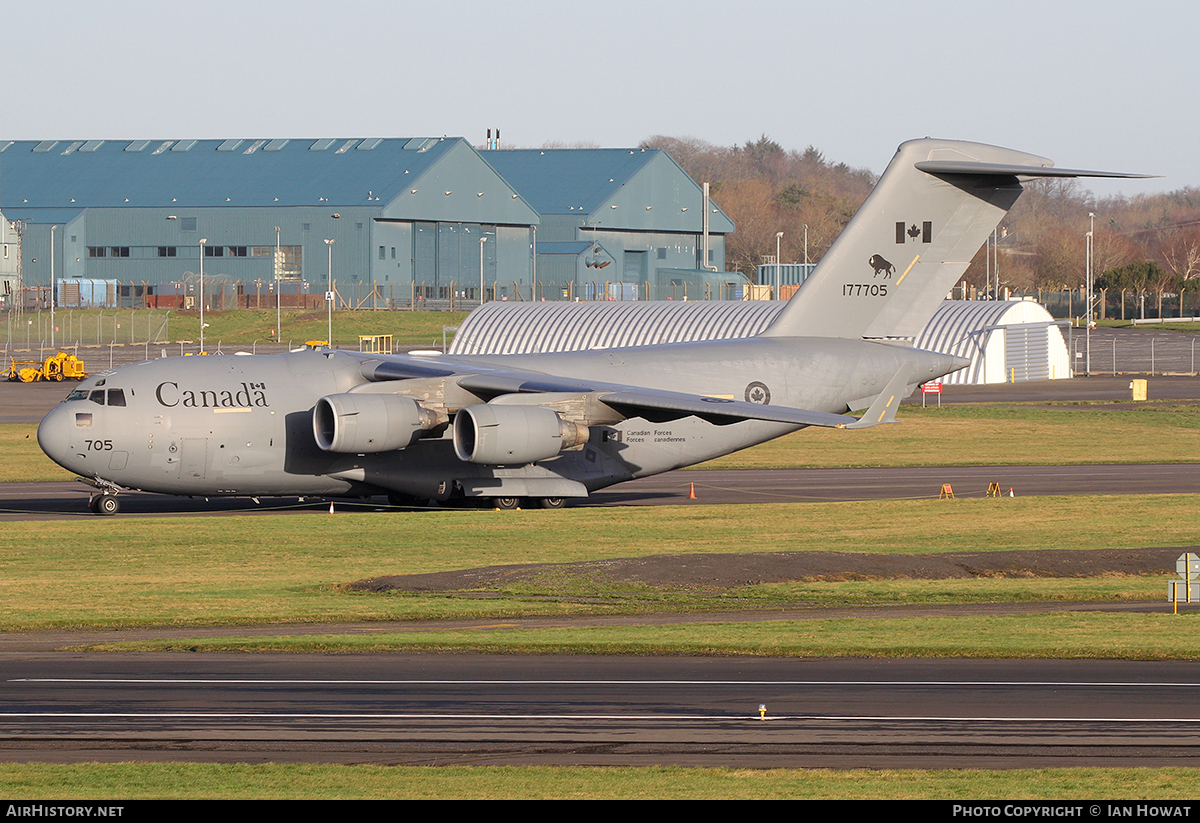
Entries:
{"x":193,"y":458}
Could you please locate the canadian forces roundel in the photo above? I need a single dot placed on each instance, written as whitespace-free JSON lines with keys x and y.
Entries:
{"x":758,"y":393}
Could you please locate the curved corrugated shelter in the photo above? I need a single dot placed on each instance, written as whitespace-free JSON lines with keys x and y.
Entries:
{"x":529,"y":328}
{"x":1015,"y":340}
{"x":1007,"y":341}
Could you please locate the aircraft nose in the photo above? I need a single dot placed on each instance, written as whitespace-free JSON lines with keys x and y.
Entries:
{"x":54,"y":434}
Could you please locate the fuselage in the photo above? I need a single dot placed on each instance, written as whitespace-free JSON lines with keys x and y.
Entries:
{"x":242,"y":425}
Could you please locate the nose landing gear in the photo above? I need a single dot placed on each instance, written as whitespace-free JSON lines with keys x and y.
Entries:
{"x":104,"y":504}
{"x":104,"y":500}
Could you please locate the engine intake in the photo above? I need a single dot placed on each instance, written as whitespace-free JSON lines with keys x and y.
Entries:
{"x":502,"y":434}
{"x":369,"y":423}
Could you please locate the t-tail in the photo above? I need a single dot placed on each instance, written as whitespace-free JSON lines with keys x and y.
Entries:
{"x":913,"y":238}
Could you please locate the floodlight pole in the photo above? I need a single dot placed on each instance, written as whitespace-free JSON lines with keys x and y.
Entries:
{"x":278,"y":312}
{"x":1088,"y":334}
{"x":52,"y":286}
{"x":483,"y":240}
{"x":329,"y":302}
{"x":203,"y":240}
{"x":778,"y":273}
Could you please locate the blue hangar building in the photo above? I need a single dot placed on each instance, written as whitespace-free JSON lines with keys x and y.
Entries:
{"x":408,"y":217}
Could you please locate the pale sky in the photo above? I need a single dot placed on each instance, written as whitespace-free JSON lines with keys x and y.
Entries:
{"x":1089,"y":85}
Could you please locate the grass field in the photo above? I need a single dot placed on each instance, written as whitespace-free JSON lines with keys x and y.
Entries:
{"x":986,"y":435}
{"x":1063,"y":636}
{"x":125,"y":781}
{"x":230,"y":328}
{"x":129,"y":571}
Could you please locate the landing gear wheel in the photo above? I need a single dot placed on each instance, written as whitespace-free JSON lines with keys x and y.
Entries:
{"x":506,"y":502}
{"x":105,"y":505}
{"x":553,"y":502}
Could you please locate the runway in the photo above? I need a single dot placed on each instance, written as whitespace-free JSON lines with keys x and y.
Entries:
{"x":465,"y":709}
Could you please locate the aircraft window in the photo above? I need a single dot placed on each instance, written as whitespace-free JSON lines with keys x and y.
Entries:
{"x":97,"y":397}
{"x":78,"y":394}
{"x":116,"y":397}
{"x":83,"y":420}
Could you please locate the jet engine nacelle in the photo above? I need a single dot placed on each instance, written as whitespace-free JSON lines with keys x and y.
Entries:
{"x":502,"y":434}
{"x":369,"y":423}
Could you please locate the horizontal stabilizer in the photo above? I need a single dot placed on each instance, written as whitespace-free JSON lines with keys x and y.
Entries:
{"x":940,"y":167}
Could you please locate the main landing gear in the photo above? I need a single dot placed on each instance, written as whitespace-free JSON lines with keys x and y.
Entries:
{"x":542,"y":502}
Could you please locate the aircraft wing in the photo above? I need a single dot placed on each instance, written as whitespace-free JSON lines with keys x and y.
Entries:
{"x":656,"y":405}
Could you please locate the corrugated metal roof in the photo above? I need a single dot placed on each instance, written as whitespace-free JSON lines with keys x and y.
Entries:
{"x":41,"y":216}
{"x":201,"y":173}
{"x":527,"y":328}
{"x":568,"y":181}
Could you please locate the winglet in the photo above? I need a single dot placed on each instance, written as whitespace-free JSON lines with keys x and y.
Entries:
{"x":883,"y":410}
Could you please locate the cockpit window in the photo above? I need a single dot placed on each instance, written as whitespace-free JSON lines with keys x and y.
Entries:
{"x":97,"y":397}
{"x":78,"y":394}
{"x":116,"y":397}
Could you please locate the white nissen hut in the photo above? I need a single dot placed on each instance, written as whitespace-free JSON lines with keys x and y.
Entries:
{"x":1010,"y":341}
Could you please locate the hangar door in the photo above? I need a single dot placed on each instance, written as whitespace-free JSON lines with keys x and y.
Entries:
{"x":1027,"y":352}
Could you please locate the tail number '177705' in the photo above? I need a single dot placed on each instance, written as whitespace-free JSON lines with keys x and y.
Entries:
{"x":864,"y":289}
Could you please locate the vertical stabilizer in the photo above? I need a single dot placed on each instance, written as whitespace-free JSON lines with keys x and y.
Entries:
{"x":911,"y":241}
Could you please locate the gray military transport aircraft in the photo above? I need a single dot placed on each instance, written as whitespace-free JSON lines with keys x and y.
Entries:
{"x":550,"y":427}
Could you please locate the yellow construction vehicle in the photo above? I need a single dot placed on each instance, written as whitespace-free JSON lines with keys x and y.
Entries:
{"x":61,"y":366}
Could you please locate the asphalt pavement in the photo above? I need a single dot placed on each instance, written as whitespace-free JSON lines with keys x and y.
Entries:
{"x":472,"y":709}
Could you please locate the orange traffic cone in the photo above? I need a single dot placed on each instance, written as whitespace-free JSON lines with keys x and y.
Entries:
{"x":692,"y":491}
{"x":331,"y":507}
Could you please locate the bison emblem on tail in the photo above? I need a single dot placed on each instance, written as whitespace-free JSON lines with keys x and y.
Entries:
{"x":881,"y":266}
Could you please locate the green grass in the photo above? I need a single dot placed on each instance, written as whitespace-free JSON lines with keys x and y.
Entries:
{"x":23,"y":460}
{"x":90,"y":327}
{"x":988,"y":435}
{"x":1059,"y":636}
{"x":125,"y":781}
{"x":130,"y":571}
